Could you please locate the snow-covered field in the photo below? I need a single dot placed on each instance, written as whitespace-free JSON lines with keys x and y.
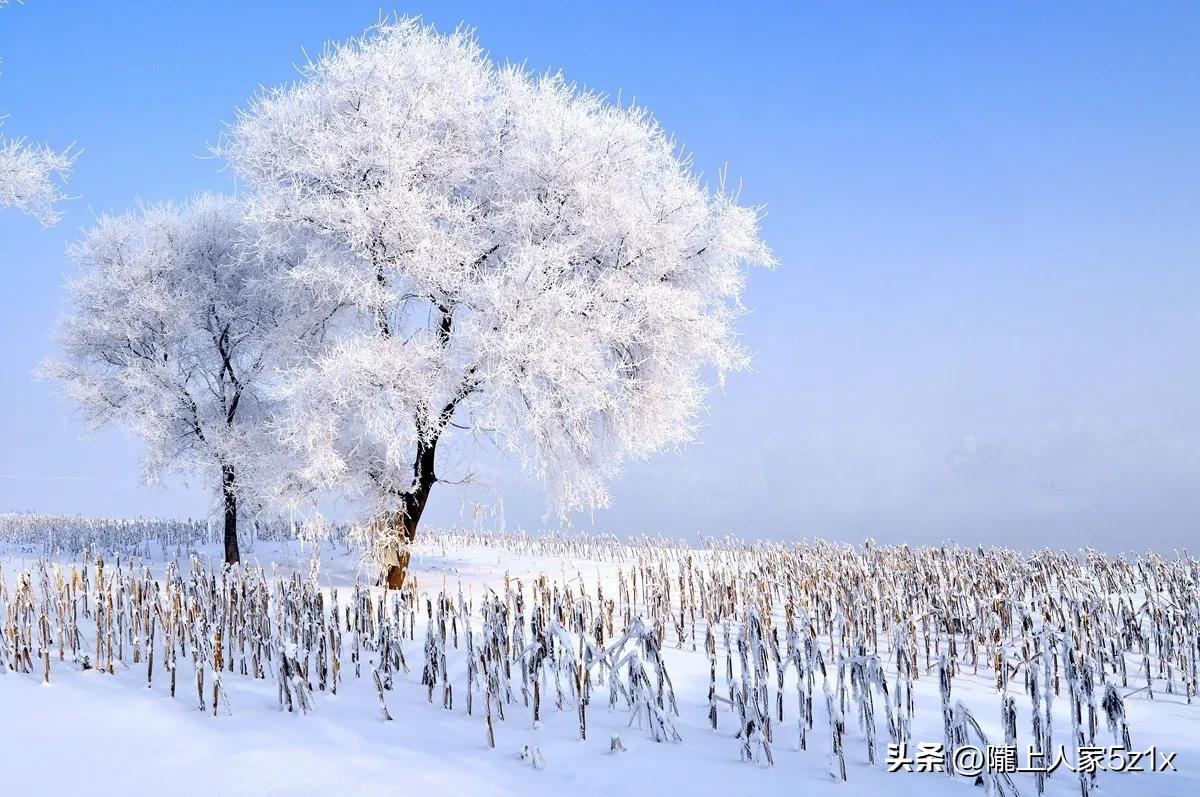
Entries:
{"x":89,"y":732}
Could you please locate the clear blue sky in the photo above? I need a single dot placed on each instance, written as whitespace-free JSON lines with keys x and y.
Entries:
{"x":986,"y":325}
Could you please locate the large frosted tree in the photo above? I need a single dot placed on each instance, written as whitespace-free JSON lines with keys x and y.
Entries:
{"x":518,"y":258}
{"x":177,"y":324}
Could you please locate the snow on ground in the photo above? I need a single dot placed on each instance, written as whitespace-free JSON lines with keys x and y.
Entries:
{"x":91,"y":733}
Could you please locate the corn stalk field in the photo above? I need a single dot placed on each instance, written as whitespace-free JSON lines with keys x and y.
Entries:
{"x":569,"y":661}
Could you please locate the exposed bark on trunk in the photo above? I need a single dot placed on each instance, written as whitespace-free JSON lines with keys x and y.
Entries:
{"x":406,"y":532}
{"x":229,"y":493}
{"x":404,"y":522}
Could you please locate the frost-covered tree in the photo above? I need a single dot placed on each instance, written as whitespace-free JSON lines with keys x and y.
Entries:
{"x":177,"y":323}
{"x":525,"y":260}
{"x":32,"y":175}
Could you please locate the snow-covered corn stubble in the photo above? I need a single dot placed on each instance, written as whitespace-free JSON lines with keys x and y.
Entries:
{"x":822,"y":655}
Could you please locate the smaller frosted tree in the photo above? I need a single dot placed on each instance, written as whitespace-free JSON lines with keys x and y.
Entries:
{"x":177,"y":322}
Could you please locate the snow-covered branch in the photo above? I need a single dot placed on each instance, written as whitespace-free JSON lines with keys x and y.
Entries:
{"x":32,"y":177}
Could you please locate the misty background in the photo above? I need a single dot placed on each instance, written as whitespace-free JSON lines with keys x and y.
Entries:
{"x":986,"y":322}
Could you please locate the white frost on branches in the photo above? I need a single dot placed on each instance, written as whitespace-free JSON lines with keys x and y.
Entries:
{"x":514,"y":256}
{"x":32,"y":178}
{"x":32,"y":175}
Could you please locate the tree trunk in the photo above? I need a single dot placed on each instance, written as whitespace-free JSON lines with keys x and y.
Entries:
{"x":229,"y":493}
{"x":405,"y":531}
{"x":404,"y":526}
{"x":412,"y":506}
{"x":412,"y":503}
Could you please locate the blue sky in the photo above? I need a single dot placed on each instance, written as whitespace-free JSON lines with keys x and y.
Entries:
{"x":986,"y":322}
